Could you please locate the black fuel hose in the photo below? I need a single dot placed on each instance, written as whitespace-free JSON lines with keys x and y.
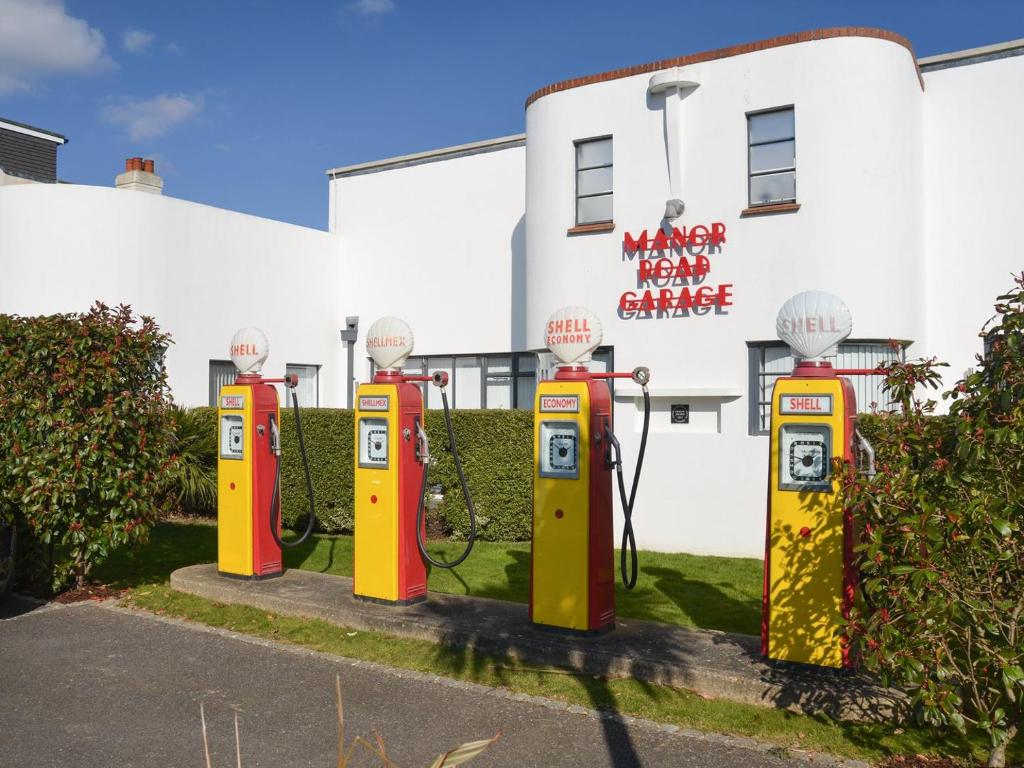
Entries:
{"x":628,"y":539}
{"x":465,"y":494}
{"x":275,"y":506}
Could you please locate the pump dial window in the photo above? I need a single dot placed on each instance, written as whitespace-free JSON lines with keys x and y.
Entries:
{"x":559,"y":449}
{"x":377,"y":445}
{"x":232,"y":437}
{"x":562,"y":452}
{"x":373,"y":443}
{"x":807,"y":460}
{"x":805,"y":457}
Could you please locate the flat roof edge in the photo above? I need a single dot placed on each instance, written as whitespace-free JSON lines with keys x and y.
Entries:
{"x":31,"y":130}
{"x":972,"y":55}
{"x":728,"y":52}
{"x":419,"y":158}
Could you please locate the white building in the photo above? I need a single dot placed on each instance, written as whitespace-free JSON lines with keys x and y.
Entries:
{"x":829,"y":160}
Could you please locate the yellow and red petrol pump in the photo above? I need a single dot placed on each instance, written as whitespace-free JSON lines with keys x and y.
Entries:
{"x":809,"y":575}
{"x":392,"y":460}
{"x":572,"y":571}
{"x":249,"y":465}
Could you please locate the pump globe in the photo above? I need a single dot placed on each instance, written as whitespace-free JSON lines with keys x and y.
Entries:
{"x":572,"y":334}
{"x":813,"y":323}
{"x":249,"y":350}
{"x":389,"y":342}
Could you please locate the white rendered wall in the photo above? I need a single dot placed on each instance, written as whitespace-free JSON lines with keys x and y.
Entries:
{"x":202,"y":272}
{"x":858,"y":124}
{"x":974,"y":166}
{"x":439,"y":244}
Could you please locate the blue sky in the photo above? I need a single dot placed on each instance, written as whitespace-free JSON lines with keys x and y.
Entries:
{"x":244,"y":105}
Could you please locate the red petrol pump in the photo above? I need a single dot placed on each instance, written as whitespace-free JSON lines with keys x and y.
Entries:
{"x":809,"y":573}
{"x":572,"y":571}
{"x":392,"y":460}
{"x":249,"y":465}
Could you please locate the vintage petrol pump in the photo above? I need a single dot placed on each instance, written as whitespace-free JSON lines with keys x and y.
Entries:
{"x":249,"y":465}
{"x":572,"y":571}
{"x":391,"y":465}
{"x":809,"y":576}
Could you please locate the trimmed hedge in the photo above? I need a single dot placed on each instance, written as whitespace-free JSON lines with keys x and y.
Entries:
{"x":495,"y":446}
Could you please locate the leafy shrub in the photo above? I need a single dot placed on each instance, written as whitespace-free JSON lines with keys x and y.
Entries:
{"x":941,"y":609}
{"x":85,"y":436}
{"x":192,"y":475}
{"x":495,"y":448}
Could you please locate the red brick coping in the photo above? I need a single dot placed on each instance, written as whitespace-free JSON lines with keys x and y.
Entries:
{"x":724,"y":53}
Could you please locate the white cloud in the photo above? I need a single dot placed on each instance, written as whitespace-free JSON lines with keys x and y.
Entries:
{"x":150,"y":118}
{"x":371,"y":7}
{"x":38,"y":38}
{"x":137,"y":40}
{"x":172,"y":47}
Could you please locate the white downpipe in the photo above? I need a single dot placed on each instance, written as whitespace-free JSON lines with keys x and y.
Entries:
{"x":675,"y":87}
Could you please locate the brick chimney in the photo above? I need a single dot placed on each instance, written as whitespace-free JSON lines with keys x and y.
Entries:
{"x":139,"y":175}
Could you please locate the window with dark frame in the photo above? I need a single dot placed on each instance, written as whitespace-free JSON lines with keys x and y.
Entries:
{"x":771,"y":155}
{"x":506,"y":380}
{"x":770,"y":360}
{"x":594,"y":181}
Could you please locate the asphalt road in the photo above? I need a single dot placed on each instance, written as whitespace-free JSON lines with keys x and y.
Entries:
{"x":88,"y":685}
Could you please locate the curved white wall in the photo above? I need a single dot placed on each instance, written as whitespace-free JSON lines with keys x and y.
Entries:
{"x":202,"y":272}
{"x":858,"y":133}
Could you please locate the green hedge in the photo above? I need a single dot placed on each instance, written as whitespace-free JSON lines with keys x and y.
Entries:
{"x":496,"y":448}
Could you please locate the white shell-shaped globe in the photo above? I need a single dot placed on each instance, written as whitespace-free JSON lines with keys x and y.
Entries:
{"x":572,"y":334}
{"x":813,"y":323}
{"x":249,"y":349}
{"x":389,"y":342}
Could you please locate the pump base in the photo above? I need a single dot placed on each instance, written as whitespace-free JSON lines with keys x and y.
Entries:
{"x":254,"y":577}
{"x":382,"y":601}
{"x":573,"y":632}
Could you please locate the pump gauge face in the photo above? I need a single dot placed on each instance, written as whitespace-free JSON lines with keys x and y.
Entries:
{"x":377,"y":445}
{"x":562,"y":452}
{"x":559,"y":449}
{"x":804,"y":460}
{"x":232,"y":437}
{"x":373,"y":443}
{"x":807,"y":460}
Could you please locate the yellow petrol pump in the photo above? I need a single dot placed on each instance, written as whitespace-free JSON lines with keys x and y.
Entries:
{"x":249,"y":465}
{"x":391,"y":467}
{"x":572,"y":571}
{"x":809,"y":576}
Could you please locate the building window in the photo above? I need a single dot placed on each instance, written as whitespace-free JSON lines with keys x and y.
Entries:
{"x":594,"y":181}
{"x":771,"y":139}
{"x":770,"y":360}
{"x":478,"y":381}
{"x":222,"y":373}
{"x":308,"y":390}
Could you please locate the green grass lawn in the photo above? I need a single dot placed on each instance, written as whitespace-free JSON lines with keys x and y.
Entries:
{"x":709,"y":592}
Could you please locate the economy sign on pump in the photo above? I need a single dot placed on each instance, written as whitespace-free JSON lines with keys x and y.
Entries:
{"x":572,"y":572}
{"x":808,"y":579}
{"x":392,"y":459}
{"x":249,"y":465}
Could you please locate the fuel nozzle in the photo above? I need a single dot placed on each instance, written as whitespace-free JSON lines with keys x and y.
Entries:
{"x":275,"y":437}
{"x":291,"y":380}
{"x":642,"y":375}
{"x":440,"y":379}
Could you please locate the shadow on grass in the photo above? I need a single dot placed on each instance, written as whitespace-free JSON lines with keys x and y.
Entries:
{"x":171,"y":546}
{"x":707,"y":605}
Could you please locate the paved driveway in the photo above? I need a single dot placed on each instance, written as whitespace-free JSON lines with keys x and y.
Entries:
{"x":89,"y":685}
